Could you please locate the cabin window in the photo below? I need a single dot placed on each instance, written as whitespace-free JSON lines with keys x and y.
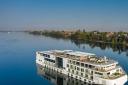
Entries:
{"x":81,"y":74}
{"x":91,"y":72}
{"x":70,"y":61}
{"x":82,"y":64}
{"x":48,"y":56}
{"x":82,"y":70}
{"x":71,"y":66}
{"x":76,"y":72}
{"x":86,"y":65}
{"x":73,"y":62}
{"x":91,"y":77}
{"x":73,"y":71}
{"x":77,"y":63}
{"x":90,"y":66}
{"x":98,"y":73}
{"x":108,"y":73}
{"x":75,"y":67}
{"x":86,"y":76}
{"x":78,"y":68}
{"x":42,"y":54}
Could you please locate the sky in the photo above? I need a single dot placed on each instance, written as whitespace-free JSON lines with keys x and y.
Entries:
{"x":102,"y":15}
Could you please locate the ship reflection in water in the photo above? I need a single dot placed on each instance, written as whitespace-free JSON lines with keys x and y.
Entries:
{"x":57,"y":78}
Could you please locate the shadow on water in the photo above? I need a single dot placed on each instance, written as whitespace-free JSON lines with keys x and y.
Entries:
{"x":57,"y":78}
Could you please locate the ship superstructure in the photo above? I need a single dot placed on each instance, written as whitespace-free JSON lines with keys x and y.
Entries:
{"x":84,"y":66}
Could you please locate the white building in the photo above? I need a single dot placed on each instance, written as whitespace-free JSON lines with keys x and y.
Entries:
{"x":83,"y":66}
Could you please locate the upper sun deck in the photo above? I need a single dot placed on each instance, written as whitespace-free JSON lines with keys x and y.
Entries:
{"x":81,"y":57}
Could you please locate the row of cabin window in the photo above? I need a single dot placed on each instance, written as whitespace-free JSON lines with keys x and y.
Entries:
{"x":82,"y":70}
{"x":78,"y":68}
{"x":81,"y":74}
{"x":49,"y":60}
{"x":45,"y":55}
{"x":82,"y":64}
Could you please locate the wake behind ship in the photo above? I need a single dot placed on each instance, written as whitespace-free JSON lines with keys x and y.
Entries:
{"x":86,"y":67}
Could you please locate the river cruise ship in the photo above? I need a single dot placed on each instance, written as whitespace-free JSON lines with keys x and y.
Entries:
{"x":87,"y":67}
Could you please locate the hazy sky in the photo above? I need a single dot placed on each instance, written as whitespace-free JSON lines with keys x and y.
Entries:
{"x":103,"y":15}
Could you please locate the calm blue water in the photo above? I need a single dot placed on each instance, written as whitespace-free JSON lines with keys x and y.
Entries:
{"x":17,"y":57}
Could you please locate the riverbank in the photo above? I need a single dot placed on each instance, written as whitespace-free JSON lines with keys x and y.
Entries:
{"x":118,"y":38}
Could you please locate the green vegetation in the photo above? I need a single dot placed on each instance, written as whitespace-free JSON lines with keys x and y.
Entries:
{"x":55,"y":34}
{"x":118,"y":38}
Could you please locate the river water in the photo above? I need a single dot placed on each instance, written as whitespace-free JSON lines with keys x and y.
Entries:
{"x":17,"y":57}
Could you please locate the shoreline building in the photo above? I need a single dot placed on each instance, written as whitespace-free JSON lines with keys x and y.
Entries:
{"x":86,"y":67}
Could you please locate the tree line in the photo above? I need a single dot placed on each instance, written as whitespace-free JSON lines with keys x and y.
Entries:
{"x":120,"y":38}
